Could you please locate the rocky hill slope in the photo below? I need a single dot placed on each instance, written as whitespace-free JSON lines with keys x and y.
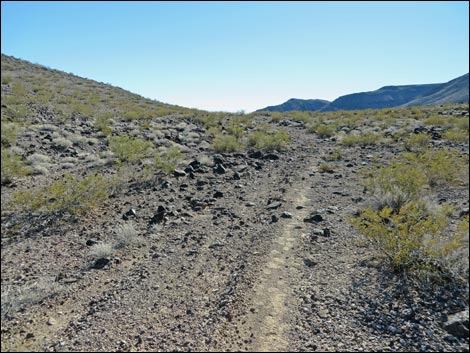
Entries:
{"x":131,"y":225}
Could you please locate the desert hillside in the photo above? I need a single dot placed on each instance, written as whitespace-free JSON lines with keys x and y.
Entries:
{"x":128,"y":224}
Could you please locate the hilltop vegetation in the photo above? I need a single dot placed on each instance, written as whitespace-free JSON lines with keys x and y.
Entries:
{"x":182,"y":225}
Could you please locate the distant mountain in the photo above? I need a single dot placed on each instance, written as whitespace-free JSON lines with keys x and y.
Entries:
{"x":454,"y":91}
{"x":298,"y":104}
{"x":385,"y":97}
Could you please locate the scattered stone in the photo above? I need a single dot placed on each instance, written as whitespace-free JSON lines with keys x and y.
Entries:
{"x":159,"y":216}
{"x":274,"y":218}
{"x":313,"y":218}
{"x":219,"y":169}
{"x":128,"y":214}
{"x":464,"y":212}
{"x":457,"y":324}
{"x":218,"y":194}
{"x":286,"y":215}
{"x":166,"y":184}
{"x":91,"y":242}
{"x":101,"y":263}
{"x":179,"y":173}
{"x":255,"y":154}
{"x":51,"y":321}
{"x":216,"y":245}
{"x":271,"y":157}
{"x":274,"y":205}
{"x":317,"y":231}
{"x":309,"y":263}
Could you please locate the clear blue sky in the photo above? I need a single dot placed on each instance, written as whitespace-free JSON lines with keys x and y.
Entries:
{"x":242,"y":55}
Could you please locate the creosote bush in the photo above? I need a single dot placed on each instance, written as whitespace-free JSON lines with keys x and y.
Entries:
{"x":268,"y":141}
{"x":407,"y":237}
{"x":227,"y":143}
{"x":68,"y":195}
{"x":412,"y":233}
{"x":129,"y":149}
{"x":168,"y":160}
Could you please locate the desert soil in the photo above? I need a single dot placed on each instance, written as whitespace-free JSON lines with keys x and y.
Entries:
{"x":259,"y":257}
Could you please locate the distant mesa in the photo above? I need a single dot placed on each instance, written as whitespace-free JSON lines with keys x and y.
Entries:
{"x":454,"y":91}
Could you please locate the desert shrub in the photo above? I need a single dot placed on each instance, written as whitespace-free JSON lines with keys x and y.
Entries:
{"x":397,"y":184}
{"x":82,"y":109}
{"x":227,"y":143}
{"x":408,"y":237}
{"x":6,"y":80}
{"x":276,"y":116}
{"x":268,"y":140}
{"x":67,"y":195}
{"x":441,"y":166}
{"x":236,"y":130}
{"x":335,"y":155}
{"x":101,"y":250}
{"x":168,"y":160}
{"x":462,"y":123}
{"x":12,"y":166}
{"x":436,"y":120}
{"x":103,"y":123}
{"x":18,"y":89}
{"x":16,"y":298}
{"x":130,"y":149}
{"x":418,"y":140}
{"x":455,"y":135}
{"x":208,"y":120}
{"x":17,"y":112}
{"x":326,"y":168}
{"x":126,"y":235}
{"x":62,"y":142}
{"x":302,"y":116}
{"x":323,"y":130}
{"x":8,"y":133}
{"x":363,"y":139}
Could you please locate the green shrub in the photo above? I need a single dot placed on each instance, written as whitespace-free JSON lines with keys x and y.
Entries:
{"x":130,"y":149}
{"x":335,"y":155}
{"x":398,"y":183}
{"x":268,"y":141}
{"x":456,"y":135}
{"x":167,"y":162}
{"x":227,"y":143}
{"x":324,"y":130}
{"x":302,"y":116}
{"x":276,"y":116}
{"x":12,"y":166}
{"x":68,"y":195}
{"x":326,"y":168}
{"x":436,"y":120}
{"x":8,"y":134}
{"x":6,"y":80}
{"x":102,"y":122}
{"x":363,"y":139}
{"x":236,"y":130}
{"x":442,"y":166}
{"x":408,"y":237}
{"x":418,"y":140}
